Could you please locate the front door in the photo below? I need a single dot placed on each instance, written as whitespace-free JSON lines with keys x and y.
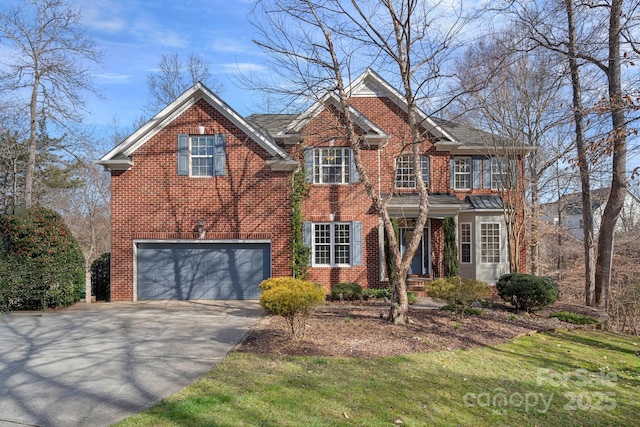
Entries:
{"x":419,"y":262}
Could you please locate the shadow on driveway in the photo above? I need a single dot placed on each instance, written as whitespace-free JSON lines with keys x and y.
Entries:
{"x":95,"y":364}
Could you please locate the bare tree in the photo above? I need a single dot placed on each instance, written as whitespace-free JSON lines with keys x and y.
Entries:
{"x":596,"y":42}
{"x":48,"y":55}
{"x":316,"y":44}
{"x":512,"y":91}
{"x":174,"y":76}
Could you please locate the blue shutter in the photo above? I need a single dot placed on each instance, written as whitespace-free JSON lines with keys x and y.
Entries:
{"x":425,"y":170}
{"x":513,"y":167}
{"x":354,"y":176}
{"x":220,"y":155}
{"x":476,"y":171}
{"x":356,"y":243}
{"x":183,"y":154}
{"x":308,"y":163}
{"x":306,"y":237}
{"x":487,"y":172}
{"x":452,"y":168}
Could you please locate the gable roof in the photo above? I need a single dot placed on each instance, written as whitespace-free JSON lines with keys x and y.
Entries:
{"x":291,"y":132}
{"x":368,"y":84}
{"x":119,"y":158}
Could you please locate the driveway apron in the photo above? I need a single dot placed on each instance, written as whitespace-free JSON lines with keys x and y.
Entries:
{"x":95,"y":364}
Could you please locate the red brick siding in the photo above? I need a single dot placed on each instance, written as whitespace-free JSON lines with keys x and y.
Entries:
{"x":151,"y":201}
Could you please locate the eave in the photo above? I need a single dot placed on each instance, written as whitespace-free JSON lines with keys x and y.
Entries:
{"x":116,"y":164}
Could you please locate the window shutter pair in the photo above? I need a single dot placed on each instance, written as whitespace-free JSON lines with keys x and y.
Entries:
{"x":219,"y":157}
{"x":354,"y":176}
{"x":356,"y":240}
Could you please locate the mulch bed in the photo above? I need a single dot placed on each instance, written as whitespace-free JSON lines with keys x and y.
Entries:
{"x":359,"y":331}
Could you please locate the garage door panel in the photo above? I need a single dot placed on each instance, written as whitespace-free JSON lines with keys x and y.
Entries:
{"x":201,"y":271}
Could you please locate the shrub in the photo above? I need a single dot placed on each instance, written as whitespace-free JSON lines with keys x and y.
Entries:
{"x":576,"y":319}
{"x":457,"y":292}
{"x":411,"y":298}
{"x":43,"y":266}
{"x":346,"y":291}
{"x":527,"y":292}
{"x":473,"y":311}
{"x":376,"y":294}
{"x":101,"y":277}
{"x":292,"y":299}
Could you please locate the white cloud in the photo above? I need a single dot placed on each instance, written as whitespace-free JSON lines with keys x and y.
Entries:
{"x":112,"y":77}
{"x":226,"y":44}
{"x":103,"y":15}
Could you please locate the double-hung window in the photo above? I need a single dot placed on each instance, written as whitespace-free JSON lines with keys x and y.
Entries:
{"x":462,"y":173}
{"x":499,"y":177}
{"x":201,"y":155}
{"x":465,"y":242}
{"x":405,"y":176}
{"x":331,"y":165}
{"x":334,"y":243}
{"x":201,"y":150}
{"x":331,"y":243}
{"x":490,"y":243}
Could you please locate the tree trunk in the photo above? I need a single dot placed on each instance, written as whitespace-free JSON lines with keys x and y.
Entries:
{"x":535,"y":219}
{"x":583,"y":163}
{"x":619,"y":161}
{"x":33,"y":146}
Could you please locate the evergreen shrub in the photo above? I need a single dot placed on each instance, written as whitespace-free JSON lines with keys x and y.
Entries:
{"x":345,"y":291}
{"x":41,"y":264}
{"x":527,"y":292}
{"x":101,"y":277}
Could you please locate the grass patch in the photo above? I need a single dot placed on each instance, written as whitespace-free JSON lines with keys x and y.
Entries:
{"x":560,"y":379}
{"x":576,"y":319}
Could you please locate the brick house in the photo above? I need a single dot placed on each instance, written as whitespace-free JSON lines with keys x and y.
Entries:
{"x":201,"y":196}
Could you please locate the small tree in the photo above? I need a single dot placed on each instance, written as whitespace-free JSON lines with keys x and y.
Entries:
{"x":292,"y":299}
{"x":450,"y":248}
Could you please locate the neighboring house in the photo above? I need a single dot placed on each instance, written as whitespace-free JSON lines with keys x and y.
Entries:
{"x":201,"y":196}
{"x":567,"y":212}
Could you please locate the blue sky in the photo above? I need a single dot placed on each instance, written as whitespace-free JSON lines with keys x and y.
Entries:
{"x":133,"y":35}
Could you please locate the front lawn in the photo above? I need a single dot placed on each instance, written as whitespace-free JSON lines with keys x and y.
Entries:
{"x":558,"y":379}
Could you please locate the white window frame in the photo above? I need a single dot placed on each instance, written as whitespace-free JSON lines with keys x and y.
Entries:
{"x":334,"y":242}
{"x":466,"y":242}
{"x":490,"y":243}
{"x":405,"y":175}
{"x":208,"y":155}
{"x":463,"y":175}
{"x":499,"y":173}
{"x":324,"y":159}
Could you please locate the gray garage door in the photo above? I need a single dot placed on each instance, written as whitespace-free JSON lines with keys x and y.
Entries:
{"x":191,"y":271}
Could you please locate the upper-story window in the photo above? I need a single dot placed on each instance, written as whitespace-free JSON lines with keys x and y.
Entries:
{"x":499,"y":173}
{"x":330,"y":165}
{"x":405,"y":176}
{"x":202,"y":155}
{"x":462,"y":173}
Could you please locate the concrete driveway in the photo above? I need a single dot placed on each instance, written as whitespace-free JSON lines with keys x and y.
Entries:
{"x":95,"y":364}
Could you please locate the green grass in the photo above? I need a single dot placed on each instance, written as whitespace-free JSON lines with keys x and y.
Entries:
{"x":558,"y":379}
